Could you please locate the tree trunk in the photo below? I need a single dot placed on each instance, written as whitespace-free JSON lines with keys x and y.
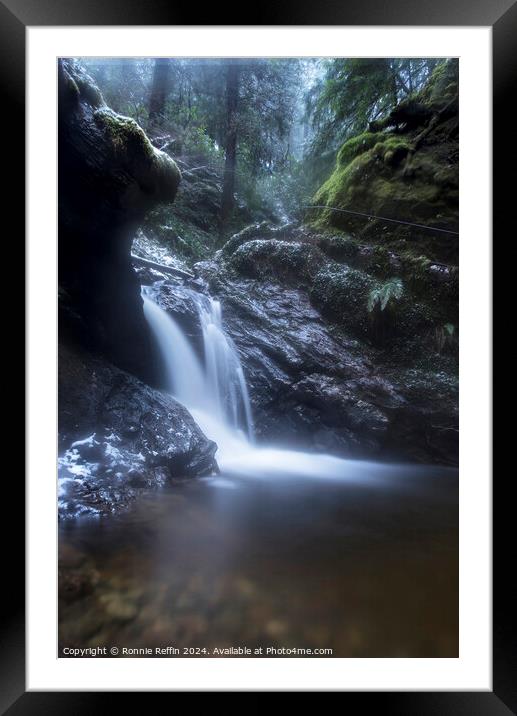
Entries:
{"x":159,"y":91}
{"x":232,"y":96}
{"x":393,"y":81}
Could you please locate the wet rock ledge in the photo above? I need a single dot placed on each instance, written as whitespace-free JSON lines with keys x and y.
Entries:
{"x":117,"y":435}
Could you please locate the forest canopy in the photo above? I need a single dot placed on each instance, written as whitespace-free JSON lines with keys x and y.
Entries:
{"x":273,"y":126}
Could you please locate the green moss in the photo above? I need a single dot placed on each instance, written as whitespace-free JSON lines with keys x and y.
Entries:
{"x":158,"y":174}
{"x":442,"y":86}
{"x":124,"y":132}
{"x":388,"y":180}
{"x":357,"y":145}
{"x":392,"y":149}
{"x":339,"y":190}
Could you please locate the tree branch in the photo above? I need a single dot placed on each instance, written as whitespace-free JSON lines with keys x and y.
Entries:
{"x":139,"y":261}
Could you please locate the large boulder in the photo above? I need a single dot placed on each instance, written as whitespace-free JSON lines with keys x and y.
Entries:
{"x":292,"y":262}
{"x":118,"y":436}
{"x":390,"y":300}
{"x":110,"y":176}
{"x":324,"y":385}
{"x":408,"y":171}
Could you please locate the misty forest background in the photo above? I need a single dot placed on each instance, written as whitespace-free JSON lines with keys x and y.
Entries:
{"x":270,"y":128}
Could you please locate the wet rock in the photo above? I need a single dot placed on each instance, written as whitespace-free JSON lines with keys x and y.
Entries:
{"x":118,"y":606}
{"x":324,"y":385}
{"x":341,"y":293}
{"x":118,"y":435}
{"x":110,"y":176}
{"x":293,"y":262}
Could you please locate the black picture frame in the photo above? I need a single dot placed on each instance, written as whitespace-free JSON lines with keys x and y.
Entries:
{"x":15,"y":16}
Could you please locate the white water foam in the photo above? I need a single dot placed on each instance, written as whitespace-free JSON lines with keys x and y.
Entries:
{"x":216,"y":394}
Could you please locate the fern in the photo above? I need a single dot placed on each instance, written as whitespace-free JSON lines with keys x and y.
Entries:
{"x":445,"y":337}
{"x":387,"y":292}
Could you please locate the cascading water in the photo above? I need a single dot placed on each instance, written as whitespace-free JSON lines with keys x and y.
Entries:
{"x":226,"y":387}
{"x":216,"y":394}
{"x":214,"y":391}
{"x":183,"y":372}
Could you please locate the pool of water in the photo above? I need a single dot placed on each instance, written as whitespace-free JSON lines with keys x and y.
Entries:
{"x":364,"y":563}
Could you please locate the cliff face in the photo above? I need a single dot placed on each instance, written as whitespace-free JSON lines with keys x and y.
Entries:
{"x":117,"y":435}
{"x":110,"y":176}
{"x":404,"y":167}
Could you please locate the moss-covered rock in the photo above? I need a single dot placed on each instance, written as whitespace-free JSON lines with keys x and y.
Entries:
{"x":409,"y":175}
{"x":156,"y":174}
{"x":341,"y":294}
{"x":340,"y":248}
{"x":357,"y":145}
{"x":260,"y":230}
{"x":291,"y":261}
{"x":110,"y":176}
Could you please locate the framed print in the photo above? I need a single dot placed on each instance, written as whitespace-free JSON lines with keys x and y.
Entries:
{"x":258,"y":355}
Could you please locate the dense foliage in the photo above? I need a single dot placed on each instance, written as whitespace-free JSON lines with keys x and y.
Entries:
{"x":289,"y":118}
{"x":264,"y":139}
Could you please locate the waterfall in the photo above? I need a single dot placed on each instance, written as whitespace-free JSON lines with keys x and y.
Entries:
{"x":214,"y":388}
{"x":215,"y":392}
{"x":184,"y":375}
{"x":227,"y":392}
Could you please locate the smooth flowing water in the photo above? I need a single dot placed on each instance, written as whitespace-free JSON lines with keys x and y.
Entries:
{"x":282,"y":550}
{"x":214,"y":391}
{"x":216,"y":394}
{"x":365,"y":564}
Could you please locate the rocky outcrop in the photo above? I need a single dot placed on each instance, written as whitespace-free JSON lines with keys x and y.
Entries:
{"x":118,"y":436}
{"x":403,"y":168}
{"x":317,"y":384}
{"x":110,"y":176}
{"x":389,"y":300}
{"x":190,"y":227}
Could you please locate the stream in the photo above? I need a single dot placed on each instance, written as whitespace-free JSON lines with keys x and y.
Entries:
{"x":283,"y":549}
